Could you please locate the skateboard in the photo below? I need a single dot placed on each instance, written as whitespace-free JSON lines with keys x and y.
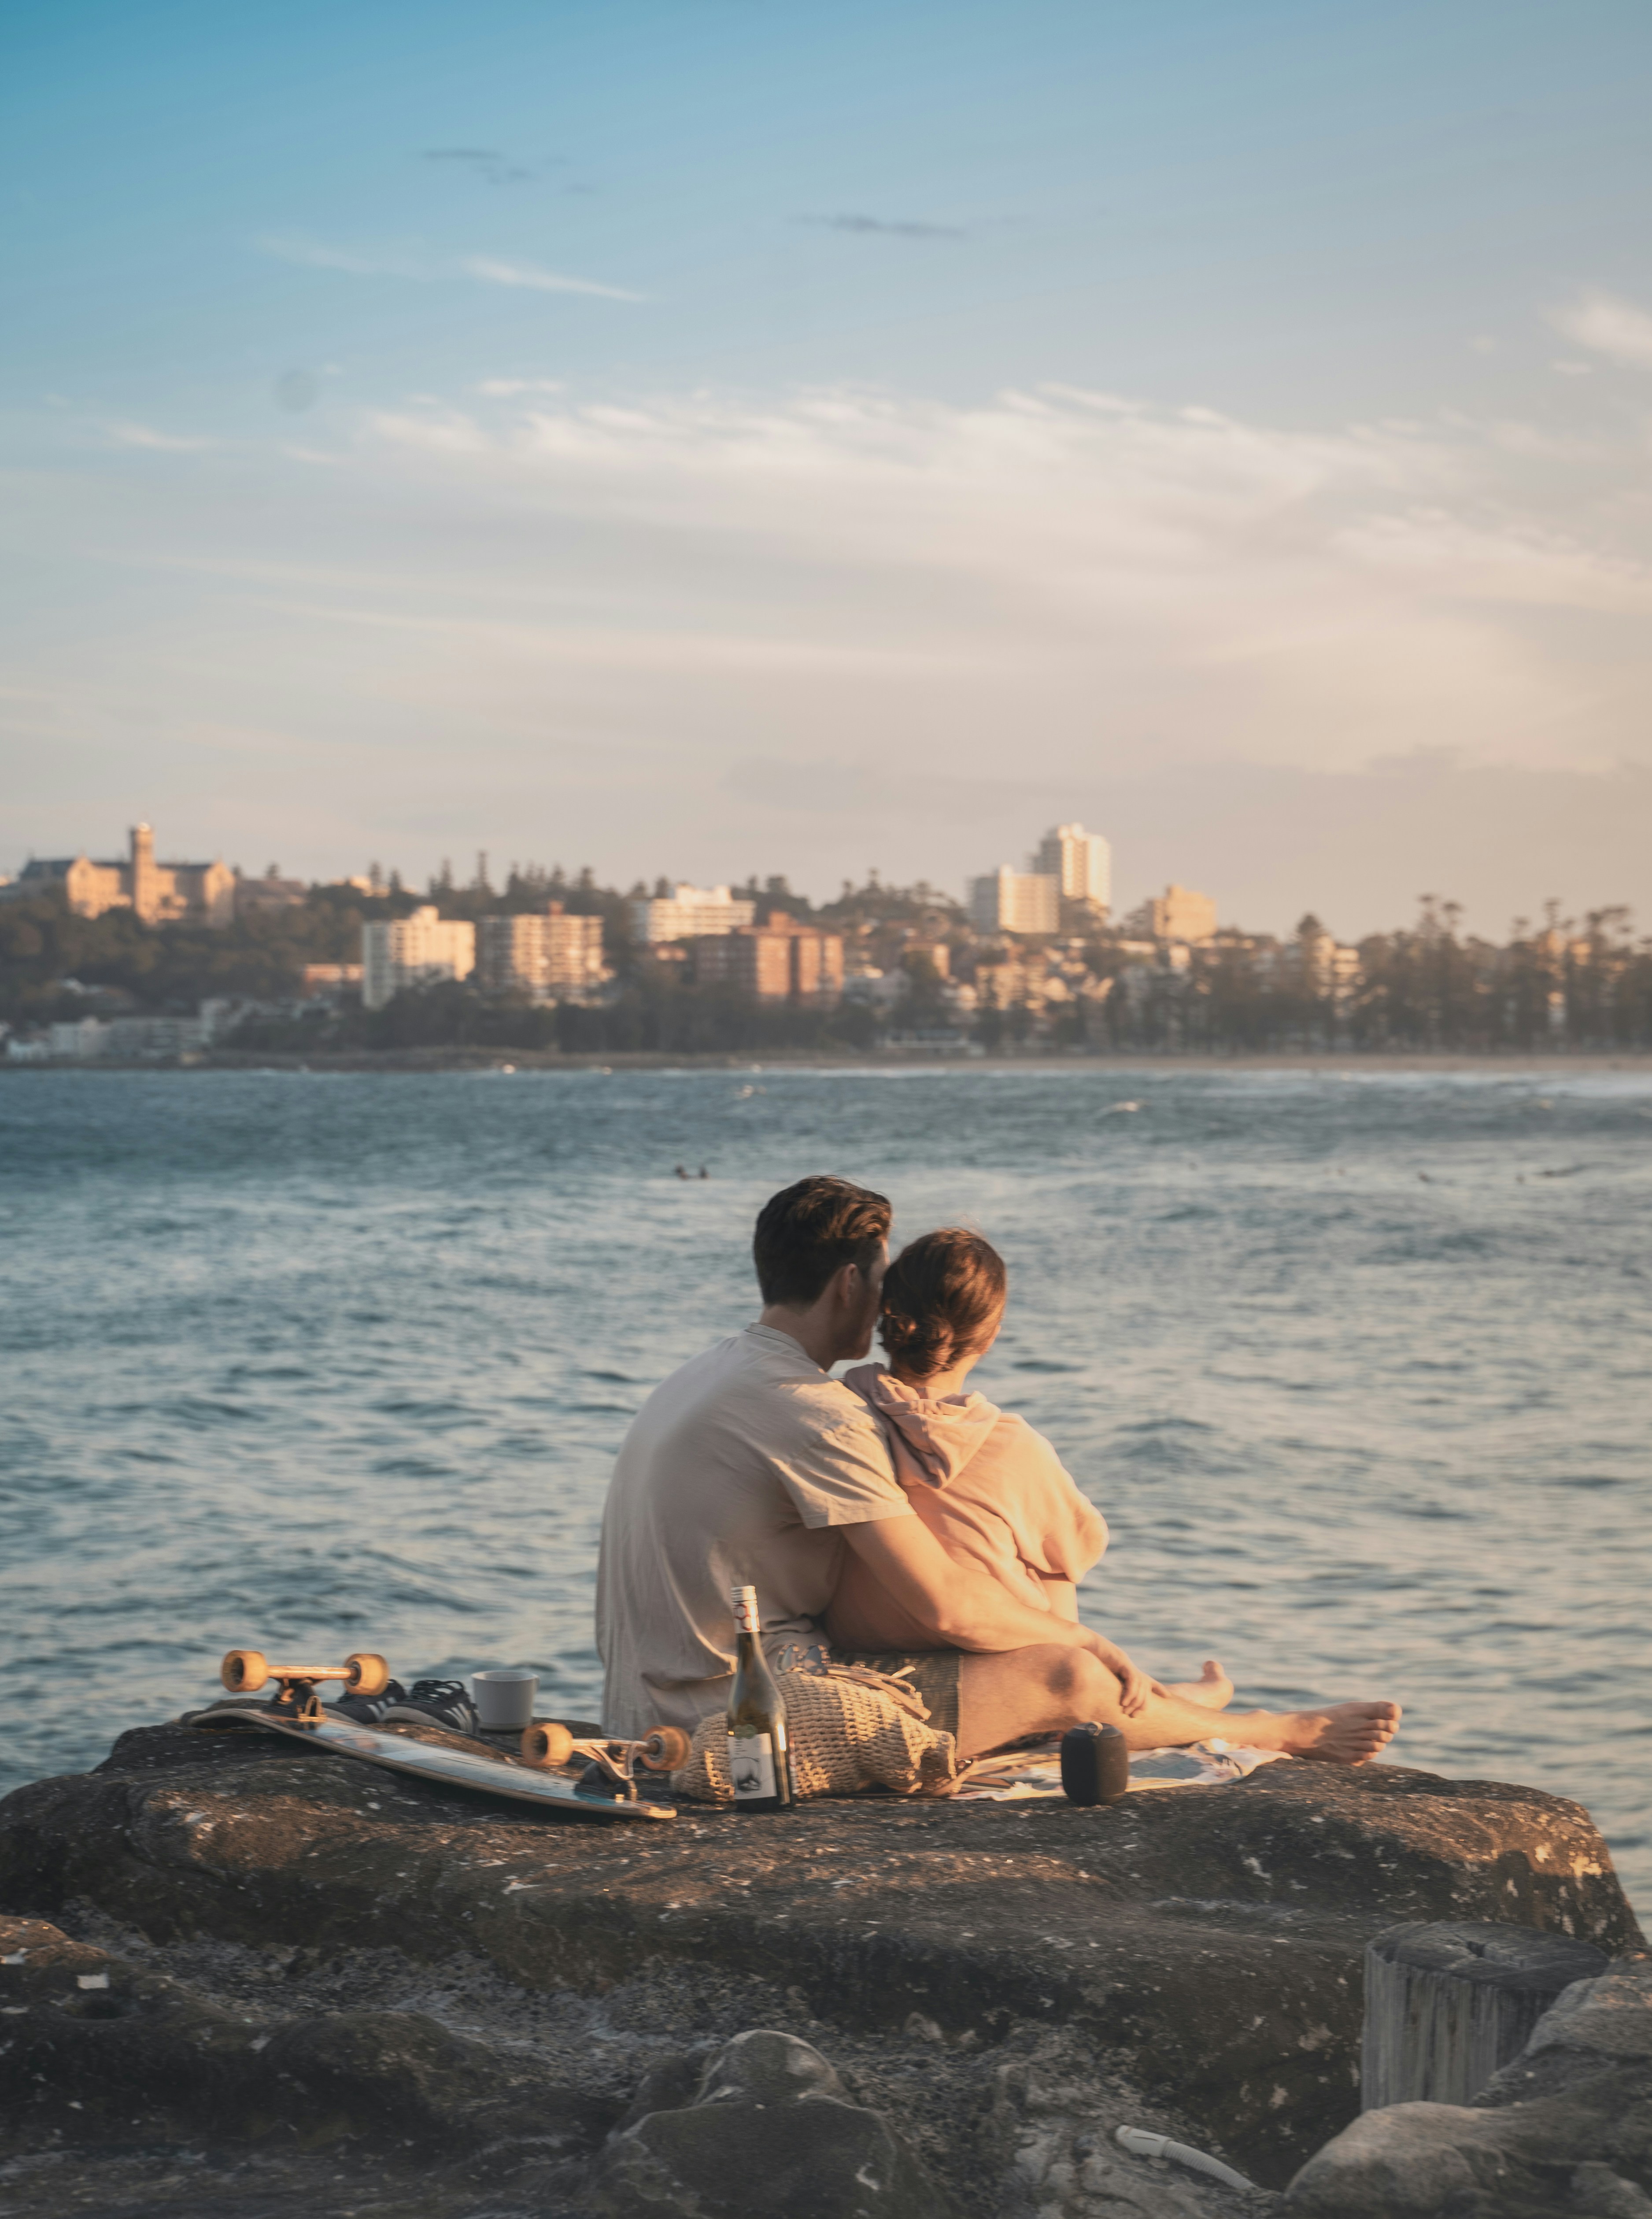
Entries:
{"x":296,"y":1712}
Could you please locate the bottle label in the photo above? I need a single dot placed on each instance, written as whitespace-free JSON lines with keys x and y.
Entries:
{"x":745,"y":1610}
{"x":751,"y":1767}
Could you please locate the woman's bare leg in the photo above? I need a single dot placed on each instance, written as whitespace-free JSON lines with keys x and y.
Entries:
{"x":1045,"y":1690}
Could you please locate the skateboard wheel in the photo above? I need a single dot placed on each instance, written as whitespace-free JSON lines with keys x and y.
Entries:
{"x":666,"y":1750}
{"x":366,"y":1674}
{"x":243,"y":1671}
{"x":547,"y":1744}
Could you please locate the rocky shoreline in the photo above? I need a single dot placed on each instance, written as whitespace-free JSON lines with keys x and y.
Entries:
{"x":235,"y":1974}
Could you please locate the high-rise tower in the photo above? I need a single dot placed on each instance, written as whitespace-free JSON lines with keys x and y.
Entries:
{"x":145,"y":887}
{"x":1082,"y":860}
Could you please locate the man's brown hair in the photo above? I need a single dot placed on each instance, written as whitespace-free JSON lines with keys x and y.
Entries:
{"x":808,"y":1231}
{"x":940,"y":1295}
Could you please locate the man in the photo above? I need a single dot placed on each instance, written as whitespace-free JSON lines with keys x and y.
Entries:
{"x":751,"y":1464}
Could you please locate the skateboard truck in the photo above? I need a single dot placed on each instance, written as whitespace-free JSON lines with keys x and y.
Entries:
{"x":243,"y":1671}
{"x":611,"y":1765}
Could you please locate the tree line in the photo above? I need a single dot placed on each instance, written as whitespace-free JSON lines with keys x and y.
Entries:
{"x":1430,"y":988}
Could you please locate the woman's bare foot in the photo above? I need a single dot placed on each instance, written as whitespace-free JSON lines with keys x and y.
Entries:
{"x":1342,"y":1733}
{"x":1213,"y":1690}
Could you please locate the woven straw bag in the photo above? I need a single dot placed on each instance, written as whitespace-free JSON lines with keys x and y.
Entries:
{"x":848,"y":1728}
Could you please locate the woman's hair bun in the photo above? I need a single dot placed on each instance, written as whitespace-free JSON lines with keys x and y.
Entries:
{"x":940,"y":1296}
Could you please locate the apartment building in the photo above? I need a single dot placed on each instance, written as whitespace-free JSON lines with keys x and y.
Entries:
{"x":690,"y":913}
{"x":1016,"y":901}
{"x":551,"y":957}
{"x":1066,"y":887}
{"x":413,"y":951}
{"x":1328,"y":968}
{"x":1082,"y":861}
{"x":1177,"y":914}
{"x":329,"y":979}
{"x":129,"y":1039}
{"x":778,"y":962}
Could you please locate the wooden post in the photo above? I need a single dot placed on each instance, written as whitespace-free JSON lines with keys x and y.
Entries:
{"x":1448,"y":2004}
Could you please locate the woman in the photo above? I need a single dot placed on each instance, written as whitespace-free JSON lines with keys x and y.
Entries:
{"x":992,"y":1491}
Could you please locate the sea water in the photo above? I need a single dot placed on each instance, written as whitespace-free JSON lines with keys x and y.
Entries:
{"x":1354,"y":1363}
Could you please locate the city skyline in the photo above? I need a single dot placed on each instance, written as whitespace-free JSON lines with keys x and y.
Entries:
{"x":719,"y":444}
{"x":1077,"y":867}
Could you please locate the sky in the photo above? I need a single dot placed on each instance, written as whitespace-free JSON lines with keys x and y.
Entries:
{"x":703,"y":438}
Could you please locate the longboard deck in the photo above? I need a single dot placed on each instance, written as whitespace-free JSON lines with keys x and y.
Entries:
{"x":447,"y":1768}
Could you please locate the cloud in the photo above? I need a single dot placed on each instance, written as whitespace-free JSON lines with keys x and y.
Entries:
{"x":1515,"y":564}
{"x":484,"y":162}
{"x":313,"y":254}
{"x":1608,"y":325}
{"x":674,"y":655}
{"x":536,"y":280}
{"x":1109,"y":564}
{"x":937,"y":625}
{"x":883,"y":226}
{"x":485,"y":270}
{"x":145,"y":435}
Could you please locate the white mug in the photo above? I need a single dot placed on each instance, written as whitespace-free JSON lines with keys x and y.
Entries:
{"x":504,"y":1700}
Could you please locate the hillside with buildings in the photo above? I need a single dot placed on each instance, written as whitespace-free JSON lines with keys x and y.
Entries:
{"x":143,"y":959}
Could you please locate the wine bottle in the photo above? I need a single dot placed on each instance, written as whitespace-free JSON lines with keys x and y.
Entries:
{"x":758,"y":1761}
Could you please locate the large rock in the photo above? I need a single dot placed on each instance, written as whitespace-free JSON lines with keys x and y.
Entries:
{"x":1565,"y":2130}
{"x":766,"y":2126}
{"x":1001,"y":1984}
{"x":106,"y":2053}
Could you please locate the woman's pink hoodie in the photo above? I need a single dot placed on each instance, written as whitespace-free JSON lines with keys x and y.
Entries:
{"x":992,"y":1492}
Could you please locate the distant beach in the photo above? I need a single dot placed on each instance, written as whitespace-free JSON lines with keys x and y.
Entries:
{"x":920,"y":1057}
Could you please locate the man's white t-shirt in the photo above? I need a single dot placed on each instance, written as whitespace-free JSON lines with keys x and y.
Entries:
{"x":740,"y":1467}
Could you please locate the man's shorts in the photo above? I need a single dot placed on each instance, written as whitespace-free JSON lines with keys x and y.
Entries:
{"x":933,"y":1673}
